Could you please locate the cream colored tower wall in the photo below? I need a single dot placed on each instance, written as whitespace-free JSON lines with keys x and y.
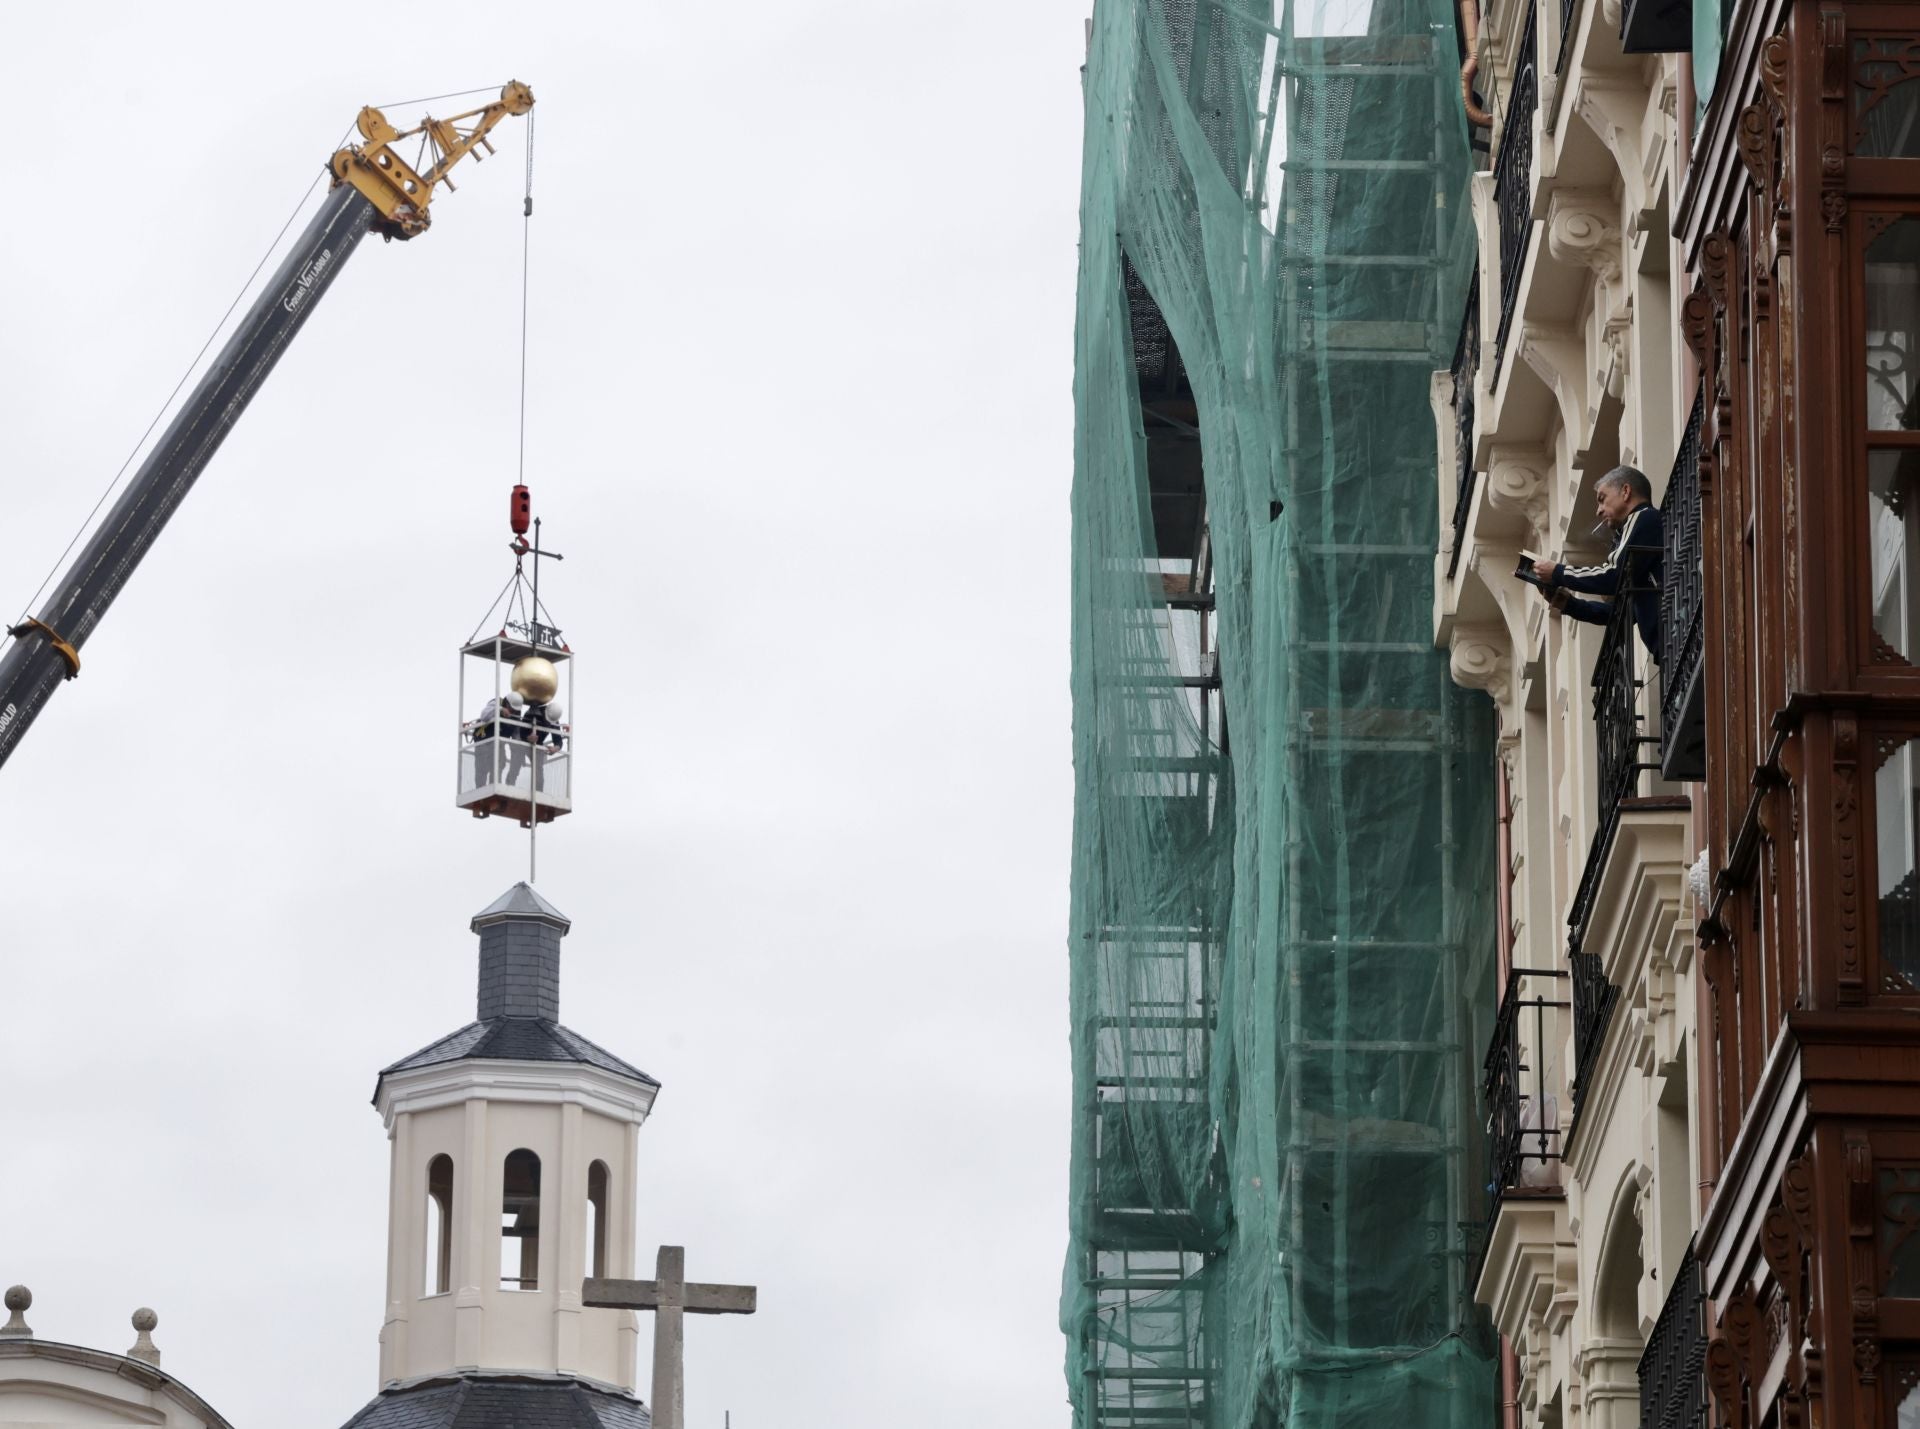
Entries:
{"x":478,"y":1113}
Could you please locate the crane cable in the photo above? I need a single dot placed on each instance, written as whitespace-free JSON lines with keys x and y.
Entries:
{"x":220,"y":327}
{"x":526,"y":250}
{"x":185,"y":377}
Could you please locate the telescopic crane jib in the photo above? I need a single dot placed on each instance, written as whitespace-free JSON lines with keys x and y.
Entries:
{"x":374,"y":189}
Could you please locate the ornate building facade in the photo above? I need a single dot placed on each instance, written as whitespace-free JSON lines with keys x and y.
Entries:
{"x":1570,"y":364}
{"x":1800,"y":221}
{"x":1706,"y":1113}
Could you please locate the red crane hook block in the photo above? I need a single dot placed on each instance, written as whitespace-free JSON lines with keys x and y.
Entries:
{"x":522,"y":510}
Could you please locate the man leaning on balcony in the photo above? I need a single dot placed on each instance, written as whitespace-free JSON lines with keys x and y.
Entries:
{"x":1624,"y":498}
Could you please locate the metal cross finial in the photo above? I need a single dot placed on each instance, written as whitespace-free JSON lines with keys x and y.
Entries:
{"x":670,"y":1297}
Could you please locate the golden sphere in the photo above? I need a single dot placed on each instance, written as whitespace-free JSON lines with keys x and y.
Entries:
{"x":535,"y":680}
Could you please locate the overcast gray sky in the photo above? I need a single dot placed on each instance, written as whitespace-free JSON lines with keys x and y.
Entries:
{"x":800,"y":420}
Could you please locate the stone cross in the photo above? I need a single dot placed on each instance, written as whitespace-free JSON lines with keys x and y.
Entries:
{"x":670,"y":1297}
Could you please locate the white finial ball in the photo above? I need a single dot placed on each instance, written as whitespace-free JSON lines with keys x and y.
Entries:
{"x":144,"y":1320}
{"x":19,"y":1298}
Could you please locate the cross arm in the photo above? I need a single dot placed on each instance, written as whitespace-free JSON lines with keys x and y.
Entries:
{"x":604,"y":1294}
{"x":694,"y":1297}
{"x":721,"y":1299}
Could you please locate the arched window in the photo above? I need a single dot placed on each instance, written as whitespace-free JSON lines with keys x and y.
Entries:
{"x":439,"y":1241}
{"x":520,"y":1222}
{"x":597,"y":1218}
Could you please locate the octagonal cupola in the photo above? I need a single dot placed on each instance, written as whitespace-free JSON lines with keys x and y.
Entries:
{"x":514,"y":1167}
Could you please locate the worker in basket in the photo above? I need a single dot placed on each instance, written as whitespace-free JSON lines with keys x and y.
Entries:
{"x":547,"y":726}
{"x":504,"y":718}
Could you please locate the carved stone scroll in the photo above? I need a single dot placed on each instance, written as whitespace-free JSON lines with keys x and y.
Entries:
{"x":1517,"y":485}
{"x":1480,"y":657}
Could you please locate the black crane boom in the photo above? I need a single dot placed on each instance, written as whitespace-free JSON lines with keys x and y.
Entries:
{"x":33,"y":666}
{"x":374,"y":188}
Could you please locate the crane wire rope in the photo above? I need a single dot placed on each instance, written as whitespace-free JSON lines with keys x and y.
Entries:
{"x":526,"y":254}
{"x":185,"y":377}
{"x":220,"y":327}
{"x":431,"y":98}
{"x":519,"y":585}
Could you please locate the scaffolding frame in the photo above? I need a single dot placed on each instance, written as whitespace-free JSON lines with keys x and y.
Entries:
{"x":1154,"y":1237}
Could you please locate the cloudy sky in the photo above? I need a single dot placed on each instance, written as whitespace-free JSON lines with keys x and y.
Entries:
{"x":799,"y":419}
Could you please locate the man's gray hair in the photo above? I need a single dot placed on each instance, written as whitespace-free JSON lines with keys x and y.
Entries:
{"x":1631,"y":477}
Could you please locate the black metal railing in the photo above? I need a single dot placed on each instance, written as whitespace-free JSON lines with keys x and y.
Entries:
{"x":1673,"y":1379}
{"x":1618,"y":752}
{"x":1616,"y":698}
{"x":1682,"y":722}
{"x":1569,"y":13}
{"x":1466,"y":367}
{"x":1513,"y":179}
{"x":1523,"y":1119}
{"x":1593,"y":1002}
{"x":1619,"y":740}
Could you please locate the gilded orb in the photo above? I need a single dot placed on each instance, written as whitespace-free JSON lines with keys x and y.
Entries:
{"x":535,"y":680}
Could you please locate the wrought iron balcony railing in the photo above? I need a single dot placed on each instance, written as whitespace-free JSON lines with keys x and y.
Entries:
{"x":1673,"y":1378}
{"x":1682,"y":703}
{"x":1466,"y":367}
{"x":1616,"y":696}
{"x":1569,"y":12}
{"x":1619,"y":745}
{"x":1593,"y":1002}
{"x":1513,"y":179}
{"x":1523,"y":1116}
{"x":1618,"y":737}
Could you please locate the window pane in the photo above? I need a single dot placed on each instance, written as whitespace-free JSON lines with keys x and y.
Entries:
{"x":1893,"y":513}
{"x":1886,"y":100}
{"x":1893,"y":321}
{"x":1899,"y":1188}
{"x":1896,"y":782}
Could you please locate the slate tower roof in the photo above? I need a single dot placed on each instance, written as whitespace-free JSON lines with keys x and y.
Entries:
{"x":471,"y":1401}
{"x":517,"y":1013}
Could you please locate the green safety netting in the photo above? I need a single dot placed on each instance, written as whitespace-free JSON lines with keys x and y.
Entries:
{"x":1282,"y":926}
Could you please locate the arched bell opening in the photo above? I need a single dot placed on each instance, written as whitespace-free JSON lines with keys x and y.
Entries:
{"x":438,"y":1271}
{"x":520,"y":1222}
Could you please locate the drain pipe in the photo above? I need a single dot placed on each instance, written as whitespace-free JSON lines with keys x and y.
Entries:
{"x":1470,"y":37}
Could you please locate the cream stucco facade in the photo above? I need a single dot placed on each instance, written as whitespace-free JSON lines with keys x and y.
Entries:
{"x":1570,"y":365}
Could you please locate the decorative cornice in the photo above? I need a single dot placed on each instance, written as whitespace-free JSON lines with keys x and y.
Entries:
{"x":150,"y":1381}
{"x":483,"y":1079}
{"x":1518,"y":1278}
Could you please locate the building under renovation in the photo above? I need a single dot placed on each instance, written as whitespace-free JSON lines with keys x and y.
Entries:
{"x":1282,"y":928}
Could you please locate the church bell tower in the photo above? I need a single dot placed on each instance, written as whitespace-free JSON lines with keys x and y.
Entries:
{"x":514,"y":1170}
